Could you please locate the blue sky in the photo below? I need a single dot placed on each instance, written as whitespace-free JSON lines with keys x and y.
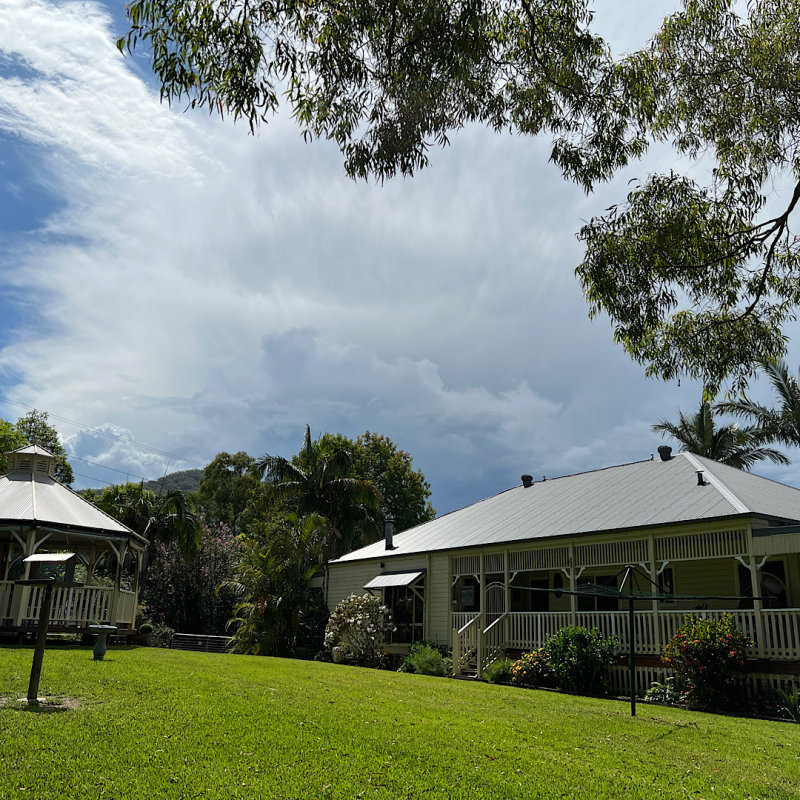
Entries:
{"x":170,"y":280}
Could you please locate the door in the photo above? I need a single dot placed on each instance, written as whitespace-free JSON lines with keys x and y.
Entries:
{"x":495,"y":602}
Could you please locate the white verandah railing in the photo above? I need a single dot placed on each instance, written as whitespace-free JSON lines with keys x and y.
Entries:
{"x":779,"y":637}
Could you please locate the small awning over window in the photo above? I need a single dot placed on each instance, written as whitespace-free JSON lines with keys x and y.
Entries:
{"x":394,"y":579}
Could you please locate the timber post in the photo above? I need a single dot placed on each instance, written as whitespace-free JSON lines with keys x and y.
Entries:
{"x":41,"y":639}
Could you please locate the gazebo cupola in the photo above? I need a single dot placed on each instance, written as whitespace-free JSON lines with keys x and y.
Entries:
{"x":34,"y":459}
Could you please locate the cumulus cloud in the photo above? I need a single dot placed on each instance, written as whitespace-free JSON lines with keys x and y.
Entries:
{"x":200,"y":289}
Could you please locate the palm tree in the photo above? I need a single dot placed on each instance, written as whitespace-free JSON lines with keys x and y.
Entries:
{"x":159,"y":518}
{"x":317,"y":481}
{"x":277,"y":607}
{"x":729,"y":444}
{"x":781,"y":424}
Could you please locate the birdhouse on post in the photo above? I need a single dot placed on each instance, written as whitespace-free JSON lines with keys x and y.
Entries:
{"x":55,"y":568}
{"x":46,"y":570}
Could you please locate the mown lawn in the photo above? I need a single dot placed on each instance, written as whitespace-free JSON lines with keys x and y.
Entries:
{"x":167,"y":724}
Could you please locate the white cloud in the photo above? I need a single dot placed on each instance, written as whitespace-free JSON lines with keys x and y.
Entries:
{"x":200,"y":289}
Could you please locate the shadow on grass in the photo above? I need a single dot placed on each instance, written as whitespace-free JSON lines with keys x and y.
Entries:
{"x":54,"y":707}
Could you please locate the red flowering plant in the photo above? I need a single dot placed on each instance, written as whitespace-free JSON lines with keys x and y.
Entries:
{"x":708,"y":657}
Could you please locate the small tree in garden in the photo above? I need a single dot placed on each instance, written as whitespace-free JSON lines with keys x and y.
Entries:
{"x":708,"y":658}
{"x":180,"y":591}
{"x":580,"y":659}
{"x":358,"y":625}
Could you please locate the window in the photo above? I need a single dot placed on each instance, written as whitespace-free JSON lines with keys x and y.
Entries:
{"x":466,"y":594}
{"x":407,"y":604}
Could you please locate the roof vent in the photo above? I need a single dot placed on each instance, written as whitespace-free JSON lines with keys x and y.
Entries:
{"x":527,"y":481}
{"x":665,"y":452}
{"x":701,"y":481}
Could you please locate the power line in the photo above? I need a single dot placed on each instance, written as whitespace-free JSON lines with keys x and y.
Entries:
{"x":105,"y":466}
{"x":90,"y":478}
{"x":108,"y":435}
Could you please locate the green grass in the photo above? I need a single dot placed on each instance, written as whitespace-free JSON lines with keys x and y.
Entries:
{"x":166,"y":724}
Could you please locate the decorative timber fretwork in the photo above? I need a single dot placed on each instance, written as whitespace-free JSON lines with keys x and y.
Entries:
{"x":532,"y":560}
{"x":606,"y":553}
{"x":493,"y":562}
{"x":466,"y":565}
{"x":701,"y":545}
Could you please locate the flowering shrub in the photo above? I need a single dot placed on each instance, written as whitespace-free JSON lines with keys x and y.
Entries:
{"x":708,"y":658}
{"x":580,"y":659}
{"x":532,"y":670}
{"x":180,"y":591}
{"x":357,"y":626}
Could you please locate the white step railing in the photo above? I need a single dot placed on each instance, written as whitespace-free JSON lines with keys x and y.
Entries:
{"x":493,"y":643}
{"x":460,"y":618}
{"x":465,"y":643}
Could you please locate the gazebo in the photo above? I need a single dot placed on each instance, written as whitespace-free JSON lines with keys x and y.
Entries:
{"x":40,"y":515}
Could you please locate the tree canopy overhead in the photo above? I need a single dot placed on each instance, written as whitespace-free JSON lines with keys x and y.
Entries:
{"x":696,"y":279}
{"x":386,"y":79}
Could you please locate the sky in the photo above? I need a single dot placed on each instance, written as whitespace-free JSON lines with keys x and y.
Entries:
{"x":173,"y":287}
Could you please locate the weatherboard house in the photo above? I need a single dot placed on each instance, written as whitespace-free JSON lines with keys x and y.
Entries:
{"x":39,"y":515}
{"x":503,"y":574}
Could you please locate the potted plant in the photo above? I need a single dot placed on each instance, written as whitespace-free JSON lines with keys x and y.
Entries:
{"x":145,"y":634}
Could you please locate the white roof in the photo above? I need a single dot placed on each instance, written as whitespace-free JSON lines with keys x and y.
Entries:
{"x":642,"y":494}
{"x":386,"y":579}
{"x":49,"y":558}
{"x":31,"y":497}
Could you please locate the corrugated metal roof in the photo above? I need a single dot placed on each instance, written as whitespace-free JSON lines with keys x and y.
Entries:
{"x":33,"y":450}
{"x":634,"y":495}
{"x":387,"y":579}
{"x":31,"y":497}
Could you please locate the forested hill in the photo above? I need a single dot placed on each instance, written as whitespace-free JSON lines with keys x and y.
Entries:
{"x":187,"y":480}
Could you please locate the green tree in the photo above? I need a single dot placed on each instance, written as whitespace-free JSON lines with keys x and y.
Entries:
{"x":10,"y":439}
{"x":277,"y":612}
{"x":780,"y":424}
{"x":695,"y":279}
{"x":317,"y":481}
{"x":385,"y":81}
{"x":405,"y":491}
{"x":159,"y":518}
{"x":227,"y":488}
{"x":729,"y":444}
{"x":36,"y":430}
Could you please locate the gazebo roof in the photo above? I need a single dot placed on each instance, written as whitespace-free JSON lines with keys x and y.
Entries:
{"x":30,"y":494}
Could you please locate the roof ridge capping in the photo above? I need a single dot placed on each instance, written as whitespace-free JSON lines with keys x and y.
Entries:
{"x":576,"y":474}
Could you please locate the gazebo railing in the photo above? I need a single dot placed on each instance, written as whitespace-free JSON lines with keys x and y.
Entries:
{"x":73,"y":607}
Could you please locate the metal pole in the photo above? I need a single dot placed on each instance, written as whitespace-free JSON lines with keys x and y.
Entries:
{"x":631,"y":651}
{"x":41,"y":637}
